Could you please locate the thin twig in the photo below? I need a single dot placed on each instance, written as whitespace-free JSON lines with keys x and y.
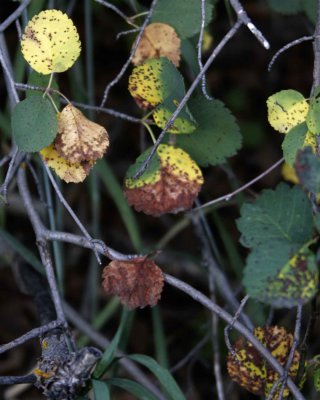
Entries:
{"x":187,"y":96}
{"x":127,"y":32}
{"x":77,"y":320}
{"x":69,"y":209}
{"x":114,"y":8}
{"x":286,"y":47}
{"x":14,"y":380}
{"x":206,"y":302}
{"x":36,"y":332}
{"x":316,"y":51}
{"x":229,"y":196}
{"x":199,"y":47}
{"x":132,"y":52}
{"x":13,"y":16}
{"x":246,"y":20}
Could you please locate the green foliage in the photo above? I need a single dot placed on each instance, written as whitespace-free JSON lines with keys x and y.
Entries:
{"x":183,"y":15}
{"x":287,"y":7}
{"x":280,"y":269}
{"x":101,"y":390}
{"x":132,"y":387}
{"x":307,"y":167}
{"x":316,"y":378}
{"x":34,"y":123}
{"x":36,"y":79}
{"x":294,"y":141}
{"x":162,"y":374}
{"x":217,"y":135}
{"x":313,"y":116}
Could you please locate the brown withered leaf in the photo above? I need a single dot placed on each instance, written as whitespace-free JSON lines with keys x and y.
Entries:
{"x":138,"y":283}
{"x":158,"y":40}
{"x":79,"y":139}
{"x":251,"y":371}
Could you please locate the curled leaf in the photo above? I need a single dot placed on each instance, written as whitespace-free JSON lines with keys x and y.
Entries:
{"x":250,"y":370}
{"x":50,"y":42}
{"x":69,"y":172}
{"x":79,"y":139}
{"x":286,"y":109}
{"x":158,"y":40}
{"x":171,"y":186}
{"x":138,"y":283}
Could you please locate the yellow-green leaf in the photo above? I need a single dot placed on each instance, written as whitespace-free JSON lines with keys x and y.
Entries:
{"x":50,"y":42}
{"x":184,"y":123}
{"x":286,"y":109}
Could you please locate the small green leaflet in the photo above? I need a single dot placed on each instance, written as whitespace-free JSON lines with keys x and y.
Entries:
{"x":34,"y":123}
{"x":294,"y":141}
{"x":132,"y":387}
{"x":307,"y":168}
{"x":183,"y":15}
{"x":101,"y":390}
{"x":278,"y":227}
{"x":217,"y":136}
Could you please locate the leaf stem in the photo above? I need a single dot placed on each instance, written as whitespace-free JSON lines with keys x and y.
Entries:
{"x":148,"y":128}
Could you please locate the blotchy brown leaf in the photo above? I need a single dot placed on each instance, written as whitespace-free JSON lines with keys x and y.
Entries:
{"x":79,"y":139}
{"x":138,"y":283}
{"x":158,"y":40}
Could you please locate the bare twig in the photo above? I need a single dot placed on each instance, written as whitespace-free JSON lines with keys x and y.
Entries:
{"x":229,"y":196}
{"x":132,"y":52}
{"x":206,"y":302}
{"x":36,"y":332}
{"x":112,"y":7}
{"x":13,"y":16}
{"x":286,"y":47}
{"x":316,"y":51}
{"x":243,"y":16}
{"x":187,"y":96}
{"x":14,"y":380}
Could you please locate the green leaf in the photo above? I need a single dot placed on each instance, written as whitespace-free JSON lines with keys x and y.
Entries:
{"x":307,"y":167}
{"x":34,"y":123}
{"x":286,"y":109}
{"x":132,"y":387}
{"x":36,"y":79}
{"x":101,"y":390}
{"x":287,"y":7}
{"x":282,"y":215}
{"x":23,"y":251}
{"x":316,"y":378}
{"x":313,"y":116}
{"x":162,"y":374}
{"x":183,"y":15}
{"x":294,"y":141}
{"x":280,"y":274}
{"x":310,"y":9}
{"x":217,"y":135}
{"x":110,"y":352}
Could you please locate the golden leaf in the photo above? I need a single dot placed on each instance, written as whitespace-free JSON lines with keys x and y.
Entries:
{"x":79,"y":139}
{"x":158,"y":40}
{"x":50,"y":42}
{"x":69,"y":172}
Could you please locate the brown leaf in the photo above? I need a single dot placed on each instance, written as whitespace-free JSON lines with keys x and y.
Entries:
{"x":138,"y":283}
{"x":79,"y":139}
{"x":158,"y":40}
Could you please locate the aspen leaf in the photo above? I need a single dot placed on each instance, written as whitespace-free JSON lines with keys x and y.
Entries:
{"x":79,"y":139}
{"x":184,"y":123}
{"x":286,"y":109}
{"x":158,"y":40}
{"x":289,"y":174}
{"x":171,"y":185}
{"x":67,"y":171}
{"x":296,"y":139}
{"x":50,"y":42}
{"x":251,"y":371}
{"x":138,"y":283}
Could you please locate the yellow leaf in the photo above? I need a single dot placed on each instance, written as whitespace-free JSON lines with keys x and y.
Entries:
{"x":289,"y":174}
{"x":50,"y":42}
{"x":79,"y":139}
{"x":69,"y":172}
{"x":286,"y":109}
{"x":158,"y":40}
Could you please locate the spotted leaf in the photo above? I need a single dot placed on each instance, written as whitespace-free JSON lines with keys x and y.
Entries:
{"x":307,"y":167}
{"x":158,"y":40}
{"x":138,"y":283}
{"x":286,"y":109}
{"x":171,"y":185}
{"x":50,"y":42}
{"x":251,"y":371}
{"x":67,"y":171}
{"x":79,"y":139}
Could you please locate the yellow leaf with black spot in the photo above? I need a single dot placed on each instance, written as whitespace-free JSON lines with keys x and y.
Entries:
{"x":50,"y":42}
{"x":286,"y":109}
{"x":79,"y":139}
{"x":67,"y":171}
{"x":184,"y":123}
